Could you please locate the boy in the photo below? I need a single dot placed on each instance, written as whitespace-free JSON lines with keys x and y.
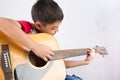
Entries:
{"x":47,"y":16}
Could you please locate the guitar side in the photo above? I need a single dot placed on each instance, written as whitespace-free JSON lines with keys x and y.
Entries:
{"x":19,"y":56}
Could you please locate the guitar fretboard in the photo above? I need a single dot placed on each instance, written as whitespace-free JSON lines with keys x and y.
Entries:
{"x":62,"y":54}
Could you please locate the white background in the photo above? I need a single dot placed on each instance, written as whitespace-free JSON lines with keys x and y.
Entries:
{"x":86,"y":23}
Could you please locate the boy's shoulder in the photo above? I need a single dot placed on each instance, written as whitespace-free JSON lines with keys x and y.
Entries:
{"x":26,"y":26}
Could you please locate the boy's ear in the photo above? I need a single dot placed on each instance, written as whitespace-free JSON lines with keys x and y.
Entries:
{"x":38,"y":25}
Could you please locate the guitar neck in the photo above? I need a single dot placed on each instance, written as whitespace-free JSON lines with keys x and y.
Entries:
{"x":61,"y":54}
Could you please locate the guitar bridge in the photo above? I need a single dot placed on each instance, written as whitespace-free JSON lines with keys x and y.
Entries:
{"x":5,"y":62}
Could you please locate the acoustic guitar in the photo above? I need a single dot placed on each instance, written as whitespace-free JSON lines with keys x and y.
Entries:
{"x":25,"y":65}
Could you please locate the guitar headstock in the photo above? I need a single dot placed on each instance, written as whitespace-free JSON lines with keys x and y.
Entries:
{"x":101,"y":50}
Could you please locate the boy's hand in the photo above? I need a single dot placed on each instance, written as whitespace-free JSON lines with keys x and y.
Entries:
{"x":43,"y":51}
{"x":90,"y":55}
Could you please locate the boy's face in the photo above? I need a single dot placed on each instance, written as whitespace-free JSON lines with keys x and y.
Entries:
{"x":49,"y":28}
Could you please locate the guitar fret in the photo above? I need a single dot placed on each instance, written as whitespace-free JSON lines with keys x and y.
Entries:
{"x":61,"y":54}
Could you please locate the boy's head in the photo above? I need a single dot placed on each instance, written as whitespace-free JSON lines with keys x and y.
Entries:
{"x":47,"y":12}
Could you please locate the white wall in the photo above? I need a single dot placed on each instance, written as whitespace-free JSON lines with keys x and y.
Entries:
{"x":87,"y":23}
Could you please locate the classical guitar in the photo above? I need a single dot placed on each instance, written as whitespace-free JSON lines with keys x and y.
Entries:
{"x":26,"y":66}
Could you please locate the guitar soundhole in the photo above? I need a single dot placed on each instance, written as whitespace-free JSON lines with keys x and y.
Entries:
{"x":35,"y":60}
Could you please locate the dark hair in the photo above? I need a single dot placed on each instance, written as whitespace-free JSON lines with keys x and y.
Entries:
{"x":46,"y":11}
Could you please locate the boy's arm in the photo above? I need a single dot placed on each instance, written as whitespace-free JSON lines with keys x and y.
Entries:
{"x":89,"y":58}
{"x":13,"y":29}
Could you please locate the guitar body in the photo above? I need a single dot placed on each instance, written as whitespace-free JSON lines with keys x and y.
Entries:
{"x":22,"y":64}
